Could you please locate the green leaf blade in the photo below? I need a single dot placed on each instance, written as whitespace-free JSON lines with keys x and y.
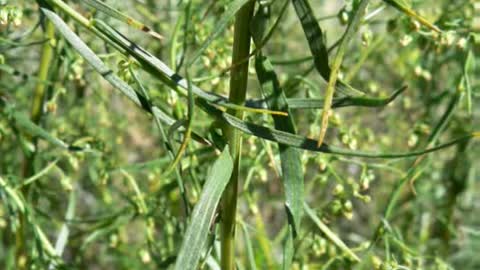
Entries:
{"x":203,"y":213}
{"x":316,"y":42}
{"x":24,"y":123}
{"x":116,"y":14}
{"x":292,"y":172}
{"x":305,"y":143}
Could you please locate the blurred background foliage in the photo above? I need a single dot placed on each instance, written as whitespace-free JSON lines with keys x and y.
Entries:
{"x":435,"y":226}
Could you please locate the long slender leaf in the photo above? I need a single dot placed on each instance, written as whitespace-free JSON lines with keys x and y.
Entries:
{"x":468,"y":69}
{"x":290,"y":159}
{"x":103,"y":70}
{"x":403,"y":7}
{"x":139,"y":99}
{"x":197,"y":232}
{"x":335,"y":69}
{"x":63,"y":235}
{"x":174,"y":79}
{"x":316,"y":42}
{"x":310,"y":144}
{"x":114,"y":13}
{"x":312,"y":103}
{"x":95,"y":61}
{"x":166,"y":74}
{"x":291,"y":164}
{"x":248,"y":247}
{"x":24,"y":124}
{"x":288,"y":248}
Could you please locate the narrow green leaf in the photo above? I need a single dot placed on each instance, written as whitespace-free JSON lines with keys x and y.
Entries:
{"x":139,"y":99}
{"x":23,"y":123}
{"x":174,"y":79}
{"x":38,"y":175}
{"x":312,"y":103}
{"x":288,"y":249}
{"x":188,"y":132}
{"x":106,"y":227}
{"x":291,"y":164}
{"x":403,"y":7}
{"x":43,"y":239}
{"x":166,"y":142}
{"x":290,"y":159}
{"x":63,"y":235}
{"x":17,"y":198}
{"x":310,"y":144}
{"x":94,"y":60}
{"x":202,"y":217}
{"x":316,"y":42}
{"x":468,"y":69}
{"x":248,"y":247}
{"x":114,"y":13}
{"x":335,"y":69}
{"x":314,"y":35}
{"x":230,"y":12}
{"x":103,"y":70}
{"x":158,"y":68}
{"x":258,"y":27}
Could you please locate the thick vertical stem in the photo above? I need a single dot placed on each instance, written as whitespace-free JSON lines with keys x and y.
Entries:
{"x":238,"y":89}
{"x":36,"y":113}
{"x":47,"y":53}
{"x":40,"y":89}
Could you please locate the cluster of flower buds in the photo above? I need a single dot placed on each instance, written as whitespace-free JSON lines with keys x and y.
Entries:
{"x":10,"y":15}
{"x":76,"y":73}
{"x":124,"y":71}
{"x":348,"y":137}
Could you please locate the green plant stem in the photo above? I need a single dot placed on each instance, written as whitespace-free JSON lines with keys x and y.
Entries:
{"x":40,"y":89}
{"x":238,"y":89}
{"x":39,"y":95}
{"x":36,"y":114}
